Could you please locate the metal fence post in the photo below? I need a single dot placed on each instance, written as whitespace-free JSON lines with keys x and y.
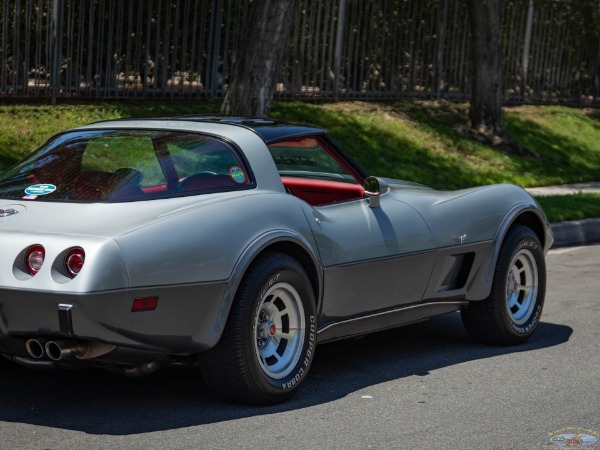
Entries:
{"x":57,"y":26}
{"x":526,"y":49}
{"x":339,"y":42}
{"x":212,"y":64}
{"x":596,"y":85}
{"x":441,"y":48}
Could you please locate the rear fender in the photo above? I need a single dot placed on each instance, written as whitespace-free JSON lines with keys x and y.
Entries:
{"x":271,"y":239}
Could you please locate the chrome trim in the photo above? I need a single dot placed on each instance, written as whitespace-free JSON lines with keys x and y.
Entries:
{"x":385,"y":313}
{"x":8,"y":212}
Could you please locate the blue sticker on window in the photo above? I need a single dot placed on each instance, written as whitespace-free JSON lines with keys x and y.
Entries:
{"x":40,"y":189}
{"x":237,"y":174}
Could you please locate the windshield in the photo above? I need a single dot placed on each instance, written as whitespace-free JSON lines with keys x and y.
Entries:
{"x":125,"y":165}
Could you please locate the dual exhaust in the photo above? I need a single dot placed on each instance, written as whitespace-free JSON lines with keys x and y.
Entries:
{"x":55,"y":350}
{"x":41,"y":350}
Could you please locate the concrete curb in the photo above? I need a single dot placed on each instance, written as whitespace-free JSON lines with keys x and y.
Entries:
{"x":566,"y":189}
{"x":576,"y":232}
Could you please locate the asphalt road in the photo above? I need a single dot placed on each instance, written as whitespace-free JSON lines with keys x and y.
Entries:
{"x":426,"y":386}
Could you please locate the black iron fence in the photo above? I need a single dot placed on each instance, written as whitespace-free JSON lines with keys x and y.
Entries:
{"x":339,"y":49}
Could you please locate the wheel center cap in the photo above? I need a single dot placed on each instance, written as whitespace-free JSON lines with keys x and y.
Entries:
{"x":516,"y":287}
{"x":272,"y":329}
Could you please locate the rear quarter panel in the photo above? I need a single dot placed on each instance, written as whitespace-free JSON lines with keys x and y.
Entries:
{"x":205,"y":242}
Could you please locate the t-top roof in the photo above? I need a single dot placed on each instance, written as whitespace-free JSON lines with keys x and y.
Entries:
{"x":268,"y":129}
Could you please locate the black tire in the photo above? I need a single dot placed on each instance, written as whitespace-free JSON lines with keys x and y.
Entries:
{"x":512,"y":312}
{"x":260,"y":359}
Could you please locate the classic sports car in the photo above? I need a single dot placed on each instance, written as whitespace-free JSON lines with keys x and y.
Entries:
{"x":239,"y":244}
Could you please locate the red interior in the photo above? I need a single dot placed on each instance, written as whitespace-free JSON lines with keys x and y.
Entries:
{"x":313,"y":192}
{"x":320,"y":192}
{"x":155,"y":189}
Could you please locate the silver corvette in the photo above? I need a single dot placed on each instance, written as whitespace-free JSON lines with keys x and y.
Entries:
{"x":239,"y":245}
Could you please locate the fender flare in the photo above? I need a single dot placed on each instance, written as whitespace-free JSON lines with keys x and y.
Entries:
{"x":483,"y":285}
{"x":246,"y":258}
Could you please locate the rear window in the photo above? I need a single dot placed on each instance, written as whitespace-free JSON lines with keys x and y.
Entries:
{"x":126,"y":165}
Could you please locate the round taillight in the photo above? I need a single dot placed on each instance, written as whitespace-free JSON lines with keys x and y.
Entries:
{"x":74,"y":261}
{"x":34,"y":258}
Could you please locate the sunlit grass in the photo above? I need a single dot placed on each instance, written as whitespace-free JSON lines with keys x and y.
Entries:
{"x":405,"y":140}
{"x":418,"y":142}
{"x":571,"y":207}
{"x":25,"y":127}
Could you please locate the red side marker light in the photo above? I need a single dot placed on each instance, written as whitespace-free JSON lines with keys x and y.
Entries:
{"x":34,"y":258}
{"x":144,"y":304}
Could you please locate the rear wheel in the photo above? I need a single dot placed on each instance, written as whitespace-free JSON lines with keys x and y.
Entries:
{"x":512,"y":312}
{"x":269,"y":341}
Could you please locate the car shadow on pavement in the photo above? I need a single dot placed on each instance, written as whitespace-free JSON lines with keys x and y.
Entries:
{"x":99,"y":402}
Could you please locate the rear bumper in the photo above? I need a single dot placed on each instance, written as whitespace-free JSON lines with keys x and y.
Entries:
{"x":188,"y":319}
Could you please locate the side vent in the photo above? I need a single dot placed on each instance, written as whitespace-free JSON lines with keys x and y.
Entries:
{"x":458,"y":272}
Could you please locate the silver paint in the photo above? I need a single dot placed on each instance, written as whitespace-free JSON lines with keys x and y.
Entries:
{"x":192,"y":252}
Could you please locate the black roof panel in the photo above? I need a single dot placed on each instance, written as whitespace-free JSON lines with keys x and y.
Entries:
{"x":269,"y":130}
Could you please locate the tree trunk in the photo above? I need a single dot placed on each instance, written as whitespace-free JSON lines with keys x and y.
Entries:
{"x":264,"y":43}
{"x":486,"y":95}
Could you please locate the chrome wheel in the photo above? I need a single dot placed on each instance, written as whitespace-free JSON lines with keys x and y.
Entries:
{"x":522,"y":286}
{"x":279,"y":330}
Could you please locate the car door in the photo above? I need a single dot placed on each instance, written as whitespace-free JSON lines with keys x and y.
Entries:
{"x":374,"y":258}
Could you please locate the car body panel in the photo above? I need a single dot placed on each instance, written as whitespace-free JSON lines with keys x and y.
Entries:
{"x":419,"y":253}
{"x":389,"y":246}
{"x":106,"y":316}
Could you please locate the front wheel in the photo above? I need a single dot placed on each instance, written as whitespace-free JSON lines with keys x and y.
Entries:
{"x":269,"y":340}
{"x":512,"y":312}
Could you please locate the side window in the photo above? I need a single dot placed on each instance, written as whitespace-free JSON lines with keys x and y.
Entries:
{"x":311,"y":173}
{"x":307,"y":158}
{"x":203,"y":162}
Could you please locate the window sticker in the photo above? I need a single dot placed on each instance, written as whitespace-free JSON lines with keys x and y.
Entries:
{"x":237,"y":174}
{"x":40,"y":189}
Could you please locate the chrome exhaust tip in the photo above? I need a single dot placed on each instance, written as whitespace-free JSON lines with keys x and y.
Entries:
{"x":59,"y":350}
{"x":35,"y":348}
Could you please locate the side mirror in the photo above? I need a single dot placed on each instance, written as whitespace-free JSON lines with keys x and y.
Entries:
{"x":374,"y":188}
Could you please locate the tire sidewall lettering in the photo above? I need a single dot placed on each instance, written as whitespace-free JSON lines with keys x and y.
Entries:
{"x":531,"y":324}
{"x":530,"y":244}
{"x":305,"y":359}
{"x":269,"y":284}
{"x":296,"y":376}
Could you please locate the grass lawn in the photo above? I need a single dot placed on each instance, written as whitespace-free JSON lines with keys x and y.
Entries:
{"x":405,"y":140}
{"x":571,"y":207}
